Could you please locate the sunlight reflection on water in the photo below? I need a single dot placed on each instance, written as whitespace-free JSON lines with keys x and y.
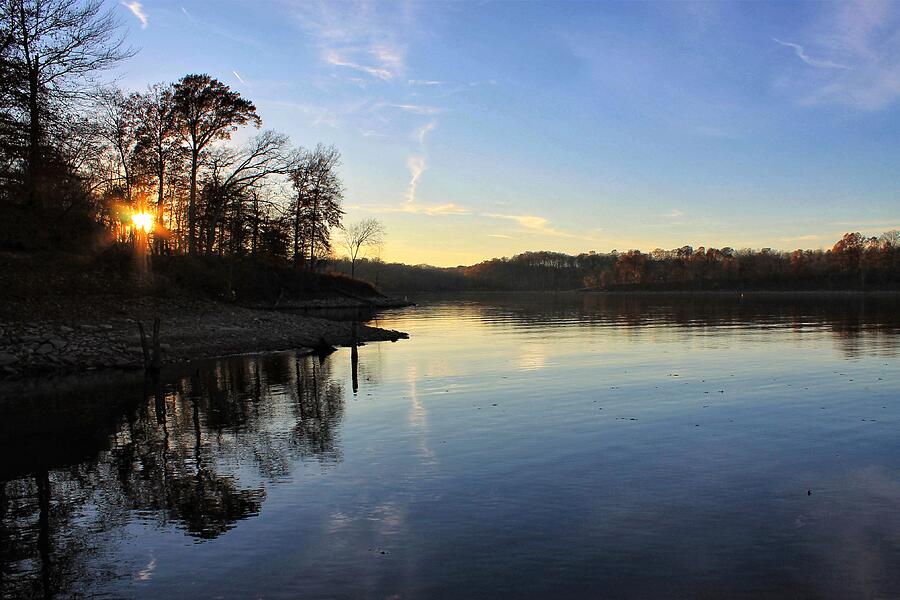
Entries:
{"x":527,"y":446}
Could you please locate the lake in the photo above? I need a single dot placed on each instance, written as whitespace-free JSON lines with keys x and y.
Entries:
{"x":528,"y":445}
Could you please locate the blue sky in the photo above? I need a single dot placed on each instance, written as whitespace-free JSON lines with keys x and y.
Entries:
{"x":484,"y":129}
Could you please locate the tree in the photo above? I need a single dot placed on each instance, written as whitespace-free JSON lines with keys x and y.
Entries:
{"x":53,"y":52}
{"x":317,"y":206}
{"x":207,"y":110}
{"x":233,"y":172}
{"x":360,"y":236}
{"x":117,"y":124}
{"x":158,"y":145}
{"x":891,"y":238}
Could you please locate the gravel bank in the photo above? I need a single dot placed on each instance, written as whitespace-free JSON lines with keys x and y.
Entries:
{"x":100,"y":332}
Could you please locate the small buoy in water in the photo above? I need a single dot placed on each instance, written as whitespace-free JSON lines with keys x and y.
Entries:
{"x":809,"y":492}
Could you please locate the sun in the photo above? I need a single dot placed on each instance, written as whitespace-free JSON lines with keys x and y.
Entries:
{"x":143,"y":221}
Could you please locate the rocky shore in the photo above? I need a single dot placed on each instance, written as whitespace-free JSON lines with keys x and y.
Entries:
{"x":100,"y":332}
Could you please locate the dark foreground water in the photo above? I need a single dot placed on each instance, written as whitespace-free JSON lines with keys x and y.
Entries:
{"x":514,"y":446}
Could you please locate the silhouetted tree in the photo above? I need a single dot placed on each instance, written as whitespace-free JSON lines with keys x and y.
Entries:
{"x":360,"y":236}
{"x":317,"y":205}
{"x":234,"y":171}
{"x":52,"y":53}
{"x":207,"y":110}
{"x":158,"y":147}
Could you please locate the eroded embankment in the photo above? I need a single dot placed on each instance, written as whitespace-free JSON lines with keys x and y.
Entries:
{"x":102,"y":332}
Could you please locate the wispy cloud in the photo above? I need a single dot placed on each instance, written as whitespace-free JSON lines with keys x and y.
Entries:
{"x":813,"y":62}
{"x":354,"y":35}
{"x":417,"y":109}
{"x":207,"y":27}
{"x":801,"y":238}
{"x":137,"y":9}
{"x":418,"y":208}
{"x":438,"y":209}
{"x":420,"y":132}
{"x":863,"y":37}
{"x":531,"y":223}
{"x":416,"y":166}
{"x":674,"y":214}
{"x":318,"y":115}
{"x":340,"y":59}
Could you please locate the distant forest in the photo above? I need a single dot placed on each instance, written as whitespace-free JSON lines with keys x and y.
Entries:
{"x":855,"y":262}
{"x":88,"y":167}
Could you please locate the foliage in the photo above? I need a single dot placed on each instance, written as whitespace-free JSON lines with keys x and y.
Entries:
{"x":854,"y":262}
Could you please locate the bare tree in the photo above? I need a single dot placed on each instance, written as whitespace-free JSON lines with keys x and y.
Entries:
{"x":359,"y":237}
{"x":233,"y":172}
{"x":317,"y":206}
{"x":54,"y":51}
{"x":117,"y":123}
{"x":207,"y":110}
{"x":891,"y":238}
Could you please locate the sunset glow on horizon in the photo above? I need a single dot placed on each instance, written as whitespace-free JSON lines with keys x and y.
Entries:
{"x":480,"y":131}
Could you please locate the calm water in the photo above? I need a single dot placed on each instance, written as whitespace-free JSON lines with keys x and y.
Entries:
{"x":514,"y":446}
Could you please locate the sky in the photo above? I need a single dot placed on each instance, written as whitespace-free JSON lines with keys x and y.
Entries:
{"x":483,"y":129}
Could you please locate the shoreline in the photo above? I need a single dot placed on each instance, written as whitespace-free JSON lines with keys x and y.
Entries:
{"x":101,"y":332}
{"x":736,"y":293}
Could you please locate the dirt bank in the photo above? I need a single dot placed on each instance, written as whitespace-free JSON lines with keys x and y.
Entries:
{"x":97,"y":331}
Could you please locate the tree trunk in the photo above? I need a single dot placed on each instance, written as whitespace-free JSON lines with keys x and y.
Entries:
{"x":160,"y":207}
{"x":312,"y":234}
{"x":192,"y":205}
{"x":33,"y":169}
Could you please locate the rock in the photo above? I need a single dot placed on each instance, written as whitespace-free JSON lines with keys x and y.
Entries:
{"x":8,"y":359}
{"x":106,"y":327}
{"x":45,"y":348}
{"x":66,"y":329}
{"x":57,"y":343}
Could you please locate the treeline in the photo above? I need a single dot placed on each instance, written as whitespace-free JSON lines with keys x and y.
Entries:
{"x":854,"y":262}
{"x":79,"y":160}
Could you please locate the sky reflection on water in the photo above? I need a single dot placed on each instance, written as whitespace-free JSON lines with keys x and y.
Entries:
{"x":528,"y":446}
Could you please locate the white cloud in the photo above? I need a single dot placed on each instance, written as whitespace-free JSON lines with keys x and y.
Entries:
{"x":338,"y":59}
{"x":137,"y":9}
{"x":417,"y":109}
{"x":446,"y":209}
{"x":416,"y":166}
{"x":420,"y":132}
{"x":532,"y":223}
{"x":355,"y":35}
{"x":864,"y":39}
{"x":813,"y":62}
{"x":801,"y":238}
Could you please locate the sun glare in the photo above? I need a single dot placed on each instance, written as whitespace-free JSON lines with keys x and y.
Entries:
{"x":143,"y":221}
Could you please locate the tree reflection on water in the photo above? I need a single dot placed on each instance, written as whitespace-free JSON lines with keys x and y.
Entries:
{"x":165,"y":452}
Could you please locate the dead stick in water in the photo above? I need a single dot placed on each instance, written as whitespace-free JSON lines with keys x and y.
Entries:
{"x":151,"y":365}
{"x":156,"y":354}
{"x":144,"y":346}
